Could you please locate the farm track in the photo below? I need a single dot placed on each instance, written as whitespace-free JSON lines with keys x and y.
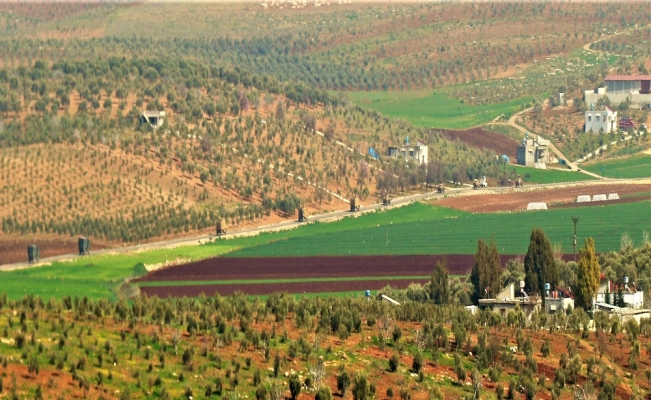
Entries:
{"x":332,"y":216}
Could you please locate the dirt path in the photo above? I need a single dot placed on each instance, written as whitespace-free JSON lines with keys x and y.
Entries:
{"x":513,"y":123}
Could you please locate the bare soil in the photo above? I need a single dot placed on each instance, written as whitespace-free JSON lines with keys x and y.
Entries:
{"x":13,"y":249}
{"x":518,"y":199}
{"x":483,"y":139}
{"x":225,"y":268}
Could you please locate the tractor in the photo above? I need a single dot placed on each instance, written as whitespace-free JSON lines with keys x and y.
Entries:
{"x":440,"y":189}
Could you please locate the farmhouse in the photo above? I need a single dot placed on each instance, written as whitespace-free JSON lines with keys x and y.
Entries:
{"x":154,"y":118}
{"x":601,"y":121}
{"x":632,"y":297}
{"x":618,"y":88}
{"x":533,"y":153}
{"x":557,"y":300}
{"x":411,"y":152}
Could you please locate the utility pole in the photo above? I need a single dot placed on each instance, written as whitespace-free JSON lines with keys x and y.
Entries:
{"x":576,"y":220}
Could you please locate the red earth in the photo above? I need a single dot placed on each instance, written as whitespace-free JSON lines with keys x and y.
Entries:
{"x":517,"y":199}
{"x":13,"y":249}
{"x":225,"y":268}
{"x":483,"y":139}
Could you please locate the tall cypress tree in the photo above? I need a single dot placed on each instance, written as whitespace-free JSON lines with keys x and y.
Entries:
{"x":486,"y":273}
{"x":587,"y":276}
{"x":439,"y":286}
{"x":539,"y":264}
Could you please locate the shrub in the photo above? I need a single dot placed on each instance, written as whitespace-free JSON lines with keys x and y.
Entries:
{"x":394,"y":363}
{"x":294,"y":386}
{"x":390,"y":392}
{"x":397,"y":334}
{"x":261,"y":392}
{"x":546,"y":349}
{"x":323,"y":393}
{"x":360,"y":386}
{"x":343,"y":382}
{"x":417,"y":363}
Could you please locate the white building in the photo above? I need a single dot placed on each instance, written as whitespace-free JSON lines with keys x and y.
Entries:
{"x":632,"y":297}
{"x":411,"y":152}
{"x":619,"y":88}
{"x":154,"y":118}
{"x":601,"y":121}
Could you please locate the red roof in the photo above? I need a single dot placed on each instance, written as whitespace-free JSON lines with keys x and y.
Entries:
{"x":628,"y":78}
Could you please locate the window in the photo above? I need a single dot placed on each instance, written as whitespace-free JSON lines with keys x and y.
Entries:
{"x":411,"y":153}
{"x":589,"y":118}
{"x":597,"y":118}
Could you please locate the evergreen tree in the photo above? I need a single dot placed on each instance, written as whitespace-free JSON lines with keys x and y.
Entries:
{"x":439,"y":285}
{"x":486,"y":273}
{"x":587,"y":276}
{"x":539,"y":264}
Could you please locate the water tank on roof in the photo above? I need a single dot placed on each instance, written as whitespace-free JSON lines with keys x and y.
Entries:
{"x":626,"y":279}
{"x":547,"y":286}
{"x":368,"y":293}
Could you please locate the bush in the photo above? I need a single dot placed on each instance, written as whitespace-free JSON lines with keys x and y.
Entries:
{"x":404,"y":394}
{"x":390,"y":392}
{"x":294,"y":386}
{"x":343,"y":382}
{"x":261,"y":392}
{"x":417,"y":363}
{"x":394,"y":363}
{"x":323,"y":393}
{"x":546,"y":349}
{"x":360,"y":387}
{"x":397,"y":334}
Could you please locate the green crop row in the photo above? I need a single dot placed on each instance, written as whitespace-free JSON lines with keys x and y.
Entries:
{"x":638,"y":166}
{"x":459,"y":235}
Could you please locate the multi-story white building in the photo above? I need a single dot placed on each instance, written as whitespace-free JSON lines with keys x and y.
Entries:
{"x":411,"y":152}
{"x":601,"y":121}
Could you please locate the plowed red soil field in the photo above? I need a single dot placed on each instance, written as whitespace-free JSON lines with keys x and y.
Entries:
{"x":477,"y":137}
{"x":268,"y":288}
{"x":224,"y":268}
{"x":13,"y":249}
{"x":517,"y":199}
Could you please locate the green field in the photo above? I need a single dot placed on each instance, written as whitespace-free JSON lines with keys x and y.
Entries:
{"x":458,"y":234}
{"x":95,"y":276}
{"x":433,"y":109}
{"x":533,"y":175}
{"x":638,"y":166}
{"x":413,"y":229}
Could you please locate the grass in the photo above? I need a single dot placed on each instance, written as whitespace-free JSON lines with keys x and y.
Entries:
{"x":413,"y":229}
{"x":638,"y":166}
{"x":459,"y":234}
{"x":433,"y":109}
{"x":533,"y":175}
{"x":95,"y":276}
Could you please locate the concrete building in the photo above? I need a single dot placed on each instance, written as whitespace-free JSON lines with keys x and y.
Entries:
{"x":601,"y":121}
{"x":557,"y":300}
{"x":154,"y":118}
{"x":633,"y":298}
{"x":506,"y":301}
{"x":623,"y":313}
{"x":533,"y":153}
{"x":411,"y":152}
{"x":620,"y":87}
